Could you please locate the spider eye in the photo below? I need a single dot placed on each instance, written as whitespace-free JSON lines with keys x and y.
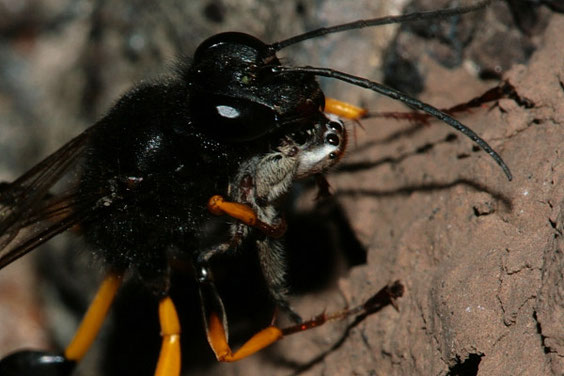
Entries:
{"x":335,"y":126}
{"x":332,"y":139}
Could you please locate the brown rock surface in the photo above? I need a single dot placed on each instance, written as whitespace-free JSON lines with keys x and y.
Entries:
{"x":481,"y":257}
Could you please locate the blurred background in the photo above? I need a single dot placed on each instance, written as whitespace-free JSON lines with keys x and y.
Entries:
{"x":63,"y":63}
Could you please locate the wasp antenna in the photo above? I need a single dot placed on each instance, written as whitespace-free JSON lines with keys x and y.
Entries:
{"x":360,"y":24}
{"x":397,"y":95}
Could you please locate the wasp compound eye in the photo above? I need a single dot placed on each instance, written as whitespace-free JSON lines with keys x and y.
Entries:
{"x":232,"y":119}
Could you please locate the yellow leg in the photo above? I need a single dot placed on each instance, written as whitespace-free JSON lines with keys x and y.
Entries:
{"x":92,"y":321}
{"x":170,"y":357}
{"x":343,"y":109}
{"x":217,"y":332}
{"x":218,"y":341}
{"x":215,"y":323}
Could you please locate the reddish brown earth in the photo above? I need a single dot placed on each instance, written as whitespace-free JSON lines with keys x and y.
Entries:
{"x":481,"y":257}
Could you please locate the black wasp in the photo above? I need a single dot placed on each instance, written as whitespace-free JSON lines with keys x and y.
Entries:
{"x":228,"y":135}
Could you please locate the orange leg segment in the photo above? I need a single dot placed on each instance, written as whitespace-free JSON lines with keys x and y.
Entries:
{"x":170,"y":357}
{"x":216,"y":322}
{"x":94,"y":317}
{"x":217,"y":339}
{"x":343,"y":109}
{"x":218,"y":206}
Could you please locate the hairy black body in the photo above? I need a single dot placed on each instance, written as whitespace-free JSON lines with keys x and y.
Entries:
{"x":224,"y":124}
{"x":152,"y":167}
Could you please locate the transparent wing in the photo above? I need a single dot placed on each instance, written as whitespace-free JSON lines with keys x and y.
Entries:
{"x":30,"y":215}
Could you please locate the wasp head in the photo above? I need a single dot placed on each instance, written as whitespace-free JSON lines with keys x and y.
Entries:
{"x":237,"y":97}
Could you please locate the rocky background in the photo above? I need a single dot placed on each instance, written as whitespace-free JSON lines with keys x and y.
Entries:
{"x":480,"y":257}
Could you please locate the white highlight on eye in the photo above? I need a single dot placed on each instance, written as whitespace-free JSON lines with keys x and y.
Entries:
{"x":227,"y":111}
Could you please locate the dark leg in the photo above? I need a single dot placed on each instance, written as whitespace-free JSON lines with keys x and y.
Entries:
{"x":240,"y":232}
{"x":216,"y":322}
